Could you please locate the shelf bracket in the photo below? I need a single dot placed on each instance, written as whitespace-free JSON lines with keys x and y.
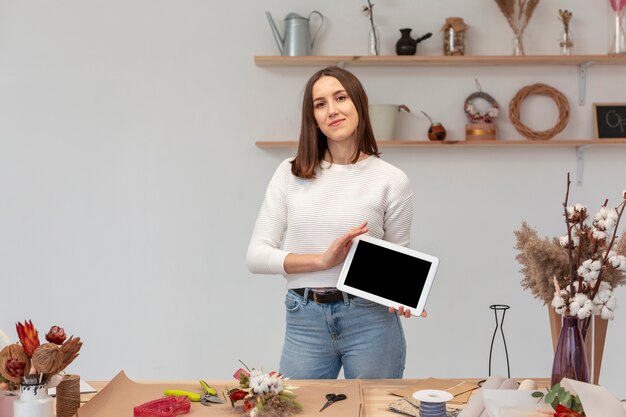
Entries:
{"x":580,"y":163}
{"x":582,"y":81}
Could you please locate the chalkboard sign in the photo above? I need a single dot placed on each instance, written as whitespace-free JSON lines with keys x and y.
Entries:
{"x":610,"y":120}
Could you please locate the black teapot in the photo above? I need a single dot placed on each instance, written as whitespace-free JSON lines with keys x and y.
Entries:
{"x":406,"y":45}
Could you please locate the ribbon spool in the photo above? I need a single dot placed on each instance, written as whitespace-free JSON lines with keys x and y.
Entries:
{"x":432,"y":402}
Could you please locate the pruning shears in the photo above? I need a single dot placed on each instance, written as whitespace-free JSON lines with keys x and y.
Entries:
{"x":209,"y":396}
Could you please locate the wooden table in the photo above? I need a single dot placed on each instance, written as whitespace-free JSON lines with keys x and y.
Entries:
{"x":376,"y":393}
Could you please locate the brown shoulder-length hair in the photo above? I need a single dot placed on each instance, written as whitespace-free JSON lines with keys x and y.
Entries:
{"x":313,"y":144}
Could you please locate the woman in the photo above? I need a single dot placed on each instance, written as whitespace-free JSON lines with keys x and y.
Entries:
{"x":335,"y":189}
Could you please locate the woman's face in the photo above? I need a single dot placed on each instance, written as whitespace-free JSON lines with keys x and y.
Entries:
{"x":334,"y":111}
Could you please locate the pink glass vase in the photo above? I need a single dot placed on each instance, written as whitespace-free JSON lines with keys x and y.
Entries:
{"x":570,"y":358}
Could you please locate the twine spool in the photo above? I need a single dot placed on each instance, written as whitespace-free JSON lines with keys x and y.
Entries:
{"x":68,"y":396}
{"x":432,"y":402}
{"x":545,"y":90}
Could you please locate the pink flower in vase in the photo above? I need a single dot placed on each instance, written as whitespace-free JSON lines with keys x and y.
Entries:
{"x":618,"y":6}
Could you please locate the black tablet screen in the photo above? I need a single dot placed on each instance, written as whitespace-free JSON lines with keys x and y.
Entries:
{"x":387,"y":273}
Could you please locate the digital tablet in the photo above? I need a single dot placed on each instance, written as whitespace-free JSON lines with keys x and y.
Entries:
{"x":388,"y":274}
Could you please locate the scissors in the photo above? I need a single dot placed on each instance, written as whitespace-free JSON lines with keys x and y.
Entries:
{"x":209,"y":396}
{"x":333,"y":398}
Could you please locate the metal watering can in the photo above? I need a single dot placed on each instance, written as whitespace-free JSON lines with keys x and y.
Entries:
{"x":297,"y":40}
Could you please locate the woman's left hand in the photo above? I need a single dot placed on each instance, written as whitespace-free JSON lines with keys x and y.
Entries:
{"x":406,"y":313}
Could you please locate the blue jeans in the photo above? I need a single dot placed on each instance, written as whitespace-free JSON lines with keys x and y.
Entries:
{"x":357,"y":334}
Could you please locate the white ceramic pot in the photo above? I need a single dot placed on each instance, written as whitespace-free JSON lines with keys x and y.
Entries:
{"x":383,"y":119}
{"x":34,"y":401}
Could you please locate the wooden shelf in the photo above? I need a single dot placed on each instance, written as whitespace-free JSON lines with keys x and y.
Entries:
{"x":437,"y":60}
{"x":464,"y":144}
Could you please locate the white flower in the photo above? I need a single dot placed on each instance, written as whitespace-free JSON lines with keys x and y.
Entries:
{"x":607,"y":313}
{"x":559,"y":304}
{"x":584,"y":312}
{"x":599,"y":234}
{"x":263,"y":384}
{"x":589,"y":270}
{"x":574,"y":213}
{"x":564,"y":241}
{"x":573,"y":308}
{"x":581,"y":299}
{"x":493,"y":112}
{"x":606,"y":218}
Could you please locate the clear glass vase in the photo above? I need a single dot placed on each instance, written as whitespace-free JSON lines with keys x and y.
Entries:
{"x":570,"y":358}
{"x":618,"y":37}
{"x":566,"y":42}
{"x":518,"y":45}
{"x":374,"y":41}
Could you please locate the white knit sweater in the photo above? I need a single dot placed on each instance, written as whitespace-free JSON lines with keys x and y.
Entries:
{"x":305,"y":216}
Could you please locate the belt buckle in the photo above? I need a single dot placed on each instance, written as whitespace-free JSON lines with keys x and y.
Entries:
{"x":315,"y":294}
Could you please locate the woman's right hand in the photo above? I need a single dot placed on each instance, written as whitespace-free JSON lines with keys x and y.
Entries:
{"x":338,"y":250}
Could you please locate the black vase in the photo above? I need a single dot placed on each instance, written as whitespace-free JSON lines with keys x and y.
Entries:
{"x":406,"y":45}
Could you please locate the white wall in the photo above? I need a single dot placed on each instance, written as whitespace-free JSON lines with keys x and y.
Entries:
{"x":130,"y":182}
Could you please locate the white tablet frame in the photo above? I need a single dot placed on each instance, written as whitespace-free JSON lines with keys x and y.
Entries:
{"x":415,"y":311}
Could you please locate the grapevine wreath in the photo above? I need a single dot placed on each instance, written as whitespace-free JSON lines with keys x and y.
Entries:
{"x":539,"y":89}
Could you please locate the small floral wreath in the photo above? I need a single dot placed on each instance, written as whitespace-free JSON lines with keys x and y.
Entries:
{"x":472,"y":113}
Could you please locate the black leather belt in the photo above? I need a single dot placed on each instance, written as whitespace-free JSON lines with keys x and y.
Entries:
{"x":325,"y":297}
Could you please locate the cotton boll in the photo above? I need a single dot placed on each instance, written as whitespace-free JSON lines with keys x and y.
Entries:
{"x":580,"y":299}
{"x":599,"y":234}
{"x":583,"y":313}
{"x":573,"y":308}
{"x":557,"y":302}
{"x":580,"y":207}
{"x":592,"y":276}
{"x":602,"y":296}
{"x":611,"y":303}
{"x":607,"y":313}
{"x":564,"y":241}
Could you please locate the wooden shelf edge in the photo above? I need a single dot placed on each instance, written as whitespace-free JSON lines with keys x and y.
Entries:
{"x":466,"y":144}
{"x":437,"y":60}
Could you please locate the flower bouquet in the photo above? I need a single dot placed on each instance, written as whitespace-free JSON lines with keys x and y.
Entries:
{"x":576,"y":273}
{"x":30,"y":362}
{"x":263,"y":394}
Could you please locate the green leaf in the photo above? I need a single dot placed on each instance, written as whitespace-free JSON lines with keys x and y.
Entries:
{"x":537,"y":394}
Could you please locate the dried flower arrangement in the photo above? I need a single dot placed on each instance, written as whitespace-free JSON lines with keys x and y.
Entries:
{"x":32,"y":362}
{"x":565,"y":16}
{"x":567,"y":43}
{"x":368,"y":11}
{"x":263,"y":394}
{"x":576,"y":273}
{"x":518,"y":14}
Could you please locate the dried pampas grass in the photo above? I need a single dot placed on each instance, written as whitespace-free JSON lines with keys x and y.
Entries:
{"x":517,"y":13}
